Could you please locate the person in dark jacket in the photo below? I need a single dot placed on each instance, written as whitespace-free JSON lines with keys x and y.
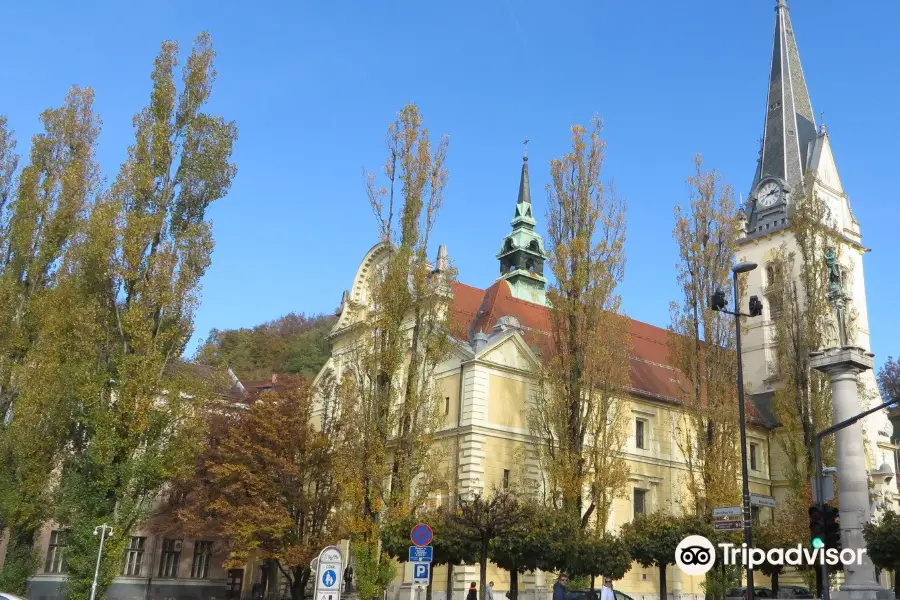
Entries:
{"x":473,"y":592}
{"x":559,"y":588}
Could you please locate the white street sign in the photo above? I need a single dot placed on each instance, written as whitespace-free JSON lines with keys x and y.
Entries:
{"x":329,"y":573}
{"x":761,"y":500}
{"x":728,"y":511}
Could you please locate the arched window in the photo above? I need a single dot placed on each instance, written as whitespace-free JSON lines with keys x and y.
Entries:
{"x":508,"y":246}
{"x":534,"y":246}
{"x":530,"y":265}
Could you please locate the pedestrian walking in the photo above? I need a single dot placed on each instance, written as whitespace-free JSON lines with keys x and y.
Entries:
{"x":490,"y":591}
{"x":473,"y":592}
{"x":607,"y":592}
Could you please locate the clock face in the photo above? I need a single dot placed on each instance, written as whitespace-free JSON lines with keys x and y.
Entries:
{"x":768,"y":194}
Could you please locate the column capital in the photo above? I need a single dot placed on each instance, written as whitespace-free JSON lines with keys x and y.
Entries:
{"x":848,"y":360}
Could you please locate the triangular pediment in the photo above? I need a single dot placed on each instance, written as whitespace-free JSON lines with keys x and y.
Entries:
{"x":509,"y":350}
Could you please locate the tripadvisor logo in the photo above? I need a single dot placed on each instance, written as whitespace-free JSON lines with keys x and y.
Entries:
{"x":696,"y":555}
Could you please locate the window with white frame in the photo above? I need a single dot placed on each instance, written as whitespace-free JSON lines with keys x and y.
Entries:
{"x":170,"y":557}
{"x":134,"y":556}
{"x":754,"y":460}
{"x":202,"y":558}
{"x":56,"y":553}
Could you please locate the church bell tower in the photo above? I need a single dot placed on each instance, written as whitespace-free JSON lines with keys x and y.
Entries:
{"x":522,"y":254}
{"x":795,"y":157}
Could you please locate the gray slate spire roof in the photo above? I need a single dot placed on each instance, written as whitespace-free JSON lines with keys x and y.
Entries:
{"x":790,"y":124}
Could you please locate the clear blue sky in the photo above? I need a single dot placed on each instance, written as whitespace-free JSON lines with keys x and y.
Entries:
{"x":313,"y":86}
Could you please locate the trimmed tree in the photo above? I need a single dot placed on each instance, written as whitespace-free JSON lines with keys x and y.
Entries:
{"x":883,"y":545}
{"x":652,"y":540}
{"x":600,"y":554}
{"x":485,"y":519}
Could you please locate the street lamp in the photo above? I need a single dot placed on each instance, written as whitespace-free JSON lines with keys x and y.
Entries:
{"x":717,"y":303}
{"x":102,"y":529}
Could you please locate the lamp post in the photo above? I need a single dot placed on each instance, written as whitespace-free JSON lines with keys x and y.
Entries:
{"x":102,"y":529}
{"x":717,"y":303}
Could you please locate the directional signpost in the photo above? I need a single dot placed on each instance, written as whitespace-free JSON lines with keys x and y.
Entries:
{"x":421,"y":553}
{"x":729,"y":525}
{"x":727,"y":511}
{"x":329,"y":572}
{"x":761,"y":500}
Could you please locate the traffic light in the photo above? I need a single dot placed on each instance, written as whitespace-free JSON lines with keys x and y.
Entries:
{"x":717,"y":300}
{"x":816,"y":527}
{"x":755,"y":306}
{"x":832,"y":527}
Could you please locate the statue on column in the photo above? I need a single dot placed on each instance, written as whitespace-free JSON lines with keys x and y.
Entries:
{"x":834,"y":271}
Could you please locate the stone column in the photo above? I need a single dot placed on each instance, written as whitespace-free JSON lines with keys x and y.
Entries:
{"x":844,"y":365}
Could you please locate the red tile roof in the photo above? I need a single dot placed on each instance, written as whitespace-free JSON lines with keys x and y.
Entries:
{"x":475,"y":310}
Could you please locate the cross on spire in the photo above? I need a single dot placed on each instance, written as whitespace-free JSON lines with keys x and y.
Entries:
{"x":526,"y":149}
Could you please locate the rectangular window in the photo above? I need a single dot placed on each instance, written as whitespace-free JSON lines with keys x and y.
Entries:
{"x":505,"y":479}
{"x":56,"y":559}
{"x":640,"y":501}
{"x":170,"y":557}
{"x":639,"y":428}
{"x":202,"y":558}
{"x":753,"y":464}
{"x":134,"y":556}
{"x":446,"y":405}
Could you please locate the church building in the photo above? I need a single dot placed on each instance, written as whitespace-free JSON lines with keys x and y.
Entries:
{"x":488,"y":382}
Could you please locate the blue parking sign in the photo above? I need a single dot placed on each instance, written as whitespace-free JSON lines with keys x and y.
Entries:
{"x":421,"y":572}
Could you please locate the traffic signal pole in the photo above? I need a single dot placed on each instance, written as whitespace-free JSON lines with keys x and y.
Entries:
{"x":820,"y":500}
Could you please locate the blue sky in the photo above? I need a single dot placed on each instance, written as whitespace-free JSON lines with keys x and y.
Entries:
{"x":313,"y":86}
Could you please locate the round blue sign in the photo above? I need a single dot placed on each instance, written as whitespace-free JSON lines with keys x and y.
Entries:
{"x":329,"y":578}
{"x":421,"y":535}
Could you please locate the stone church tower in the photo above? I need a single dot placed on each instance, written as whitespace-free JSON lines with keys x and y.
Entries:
{"x":796,"y":153}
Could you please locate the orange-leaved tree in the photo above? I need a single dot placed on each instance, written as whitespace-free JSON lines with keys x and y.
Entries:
{"x":265,"y":486}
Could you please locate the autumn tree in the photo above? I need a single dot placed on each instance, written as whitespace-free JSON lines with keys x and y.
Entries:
{"x":268,"y":489}
{"x":883,"y":545}
{"x":702,"y":346}
{"x":42,"y":212}
{"x":485,"y":518}
{"x":400,"y":333}
{"x":294,"y":343}
{"x":889,"y":380}
{"x":772,"y":535}
{"x":578,"y":416}
{"x":129,"y":288}
{"x":802,"y":314}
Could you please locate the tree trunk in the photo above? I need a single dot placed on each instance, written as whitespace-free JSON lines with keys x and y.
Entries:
{"x":663,"y":593}
{"x":592,"y":586}
{"x":449,"y":582}
{"x":482,"y":592}
{"x":897,"y":583}
{"x":513,"y":584}
{"x":775,"y":584}
{"x":430,"y":582}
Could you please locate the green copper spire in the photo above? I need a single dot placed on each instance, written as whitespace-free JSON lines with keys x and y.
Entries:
{"x":522,"y":255}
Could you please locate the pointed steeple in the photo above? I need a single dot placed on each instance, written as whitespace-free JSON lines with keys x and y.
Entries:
{"x":790,"y":122}
{"x":790,"y":129}
{"x":522,"y":254}
{"x":523,"y":215}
